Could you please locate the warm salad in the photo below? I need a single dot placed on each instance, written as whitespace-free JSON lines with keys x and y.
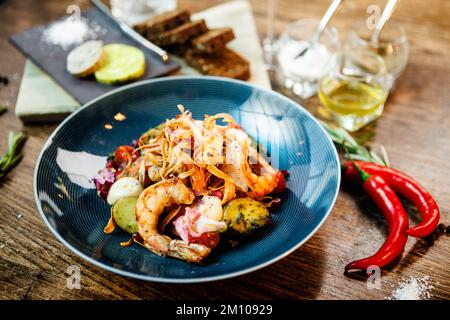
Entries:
{"x":185,"y":183}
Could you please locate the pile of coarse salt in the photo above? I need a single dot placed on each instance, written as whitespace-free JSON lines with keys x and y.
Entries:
{"x":67,"y":32}
{"x":413,"y":289}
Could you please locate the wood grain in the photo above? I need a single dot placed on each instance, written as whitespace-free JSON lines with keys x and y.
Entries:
{"x":415,"y":129}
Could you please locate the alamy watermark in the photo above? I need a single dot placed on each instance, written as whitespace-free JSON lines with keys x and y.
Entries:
{"x":374,"y":277}
{"x":374,"y":13}
{"x":73,"y":280}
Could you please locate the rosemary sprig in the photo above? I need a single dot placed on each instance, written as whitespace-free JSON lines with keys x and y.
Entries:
{"x":13,"y":155}
{"x":353,"y":150}
{"x":2,"y":109}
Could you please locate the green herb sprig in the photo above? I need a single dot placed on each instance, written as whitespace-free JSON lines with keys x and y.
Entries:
{"x":13,"y":155}
{"x":2,"y":109}
{"x":353,"y":150}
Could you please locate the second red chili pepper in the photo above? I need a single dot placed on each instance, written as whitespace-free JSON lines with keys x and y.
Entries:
{"x":397,"y":219}
{"x":406,"y":187}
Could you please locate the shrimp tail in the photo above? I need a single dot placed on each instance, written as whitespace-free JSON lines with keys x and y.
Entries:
{"x":192,"y":252}
{"x":165,"y":246}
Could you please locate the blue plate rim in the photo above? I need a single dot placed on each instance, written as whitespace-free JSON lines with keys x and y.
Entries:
{"x":180,"y":280}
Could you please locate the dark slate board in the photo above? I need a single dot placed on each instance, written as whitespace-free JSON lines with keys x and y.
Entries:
{"x":52,"y":58}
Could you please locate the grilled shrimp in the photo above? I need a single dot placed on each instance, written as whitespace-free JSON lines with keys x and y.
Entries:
{"x":239,"y":168}
{"x":260,"y":184}
{"x":234,"y":157}
{"x":198,"y":180}
{"x":151,"y":204}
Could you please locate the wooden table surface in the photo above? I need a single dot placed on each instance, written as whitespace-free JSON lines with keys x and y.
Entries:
{"x":415,"y":129}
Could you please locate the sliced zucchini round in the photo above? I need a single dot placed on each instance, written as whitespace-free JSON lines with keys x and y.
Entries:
{"x":85,"y":59}
{"x":122,"y":63}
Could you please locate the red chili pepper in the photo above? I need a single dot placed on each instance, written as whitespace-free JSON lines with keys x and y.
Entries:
{"x":392,"y":209}
{"x":408,"y":188}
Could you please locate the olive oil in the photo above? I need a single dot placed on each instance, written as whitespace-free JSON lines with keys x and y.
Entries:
{"x":351,"y":97}
{"x":352,"y":103}
{"x":355,"y":89}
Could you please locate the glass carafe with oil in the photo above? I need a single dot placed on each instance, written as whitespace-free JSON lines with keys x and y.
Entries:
{"x":354,"y":91}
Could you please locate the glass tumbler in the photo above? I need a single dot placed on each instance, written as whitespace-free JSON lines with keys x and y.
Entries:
{"x":301,"y":73}
{"x":392,"y":46}
{"x":355,"y":89}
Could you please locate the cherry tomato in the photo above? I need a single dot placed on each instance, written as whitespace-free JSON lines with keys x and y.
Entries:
{"x":111,"y":164}
{"x":123,"y":154}
{"x":281,"y":183}
{"x":209,"y":239}
{"x":217,"y":193}
{"x":285,"y":173}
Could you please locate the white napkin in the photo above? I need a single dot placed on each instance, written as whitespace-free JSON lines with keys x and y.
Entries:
{"x":238,"y":15}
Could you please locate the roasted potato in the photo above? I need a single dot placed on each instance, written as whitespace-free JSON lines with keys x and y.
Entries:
{"x":124,"y":214}
{"x":244,"y":216}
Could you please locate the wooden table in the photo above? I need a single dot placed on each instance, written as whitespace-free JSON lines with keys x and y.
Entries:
{"x":415,"y":129}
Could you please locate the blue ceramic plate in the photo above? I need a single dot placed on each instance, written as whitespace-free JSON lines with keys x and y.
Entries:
{"x":296,"y":142}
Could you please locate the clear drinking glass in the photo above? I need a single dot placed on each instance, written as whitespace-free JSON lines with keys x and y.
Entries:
{"x":269,"y":40}
{"x":393,"y":44}
{"x":302,"y":74}
{"x":355,"y":89}
{"x":136,"y":11}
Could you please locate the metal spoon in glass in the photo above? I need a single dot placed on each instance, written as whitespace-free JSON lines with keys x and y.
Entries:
{"x":374,"y":39}
{"x":322,"y":25}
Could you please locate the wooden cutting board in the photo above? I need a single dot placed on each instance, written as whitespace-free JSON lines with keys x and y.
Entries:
{"x":52,"y":58}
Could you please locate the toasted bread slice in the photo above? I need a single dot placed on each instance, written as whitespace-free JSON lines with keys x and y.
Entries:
{"x":226,"y":63}
{"x":181,"y":34}
{"x":85,"y":59}
{"x":163,"y":22}
{"x":178,"y":49}
{"x":213,"y":40}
